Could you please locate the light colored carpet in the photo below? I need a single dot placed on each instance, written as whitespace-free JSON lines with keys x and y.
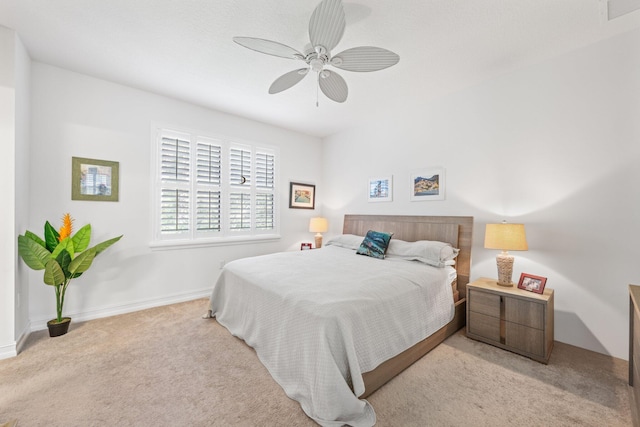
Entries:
{"x":168,"y":367}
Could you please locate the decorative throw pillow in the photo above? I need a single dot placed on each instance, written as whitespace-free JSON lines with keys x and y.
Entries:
{"x":374,"y":244}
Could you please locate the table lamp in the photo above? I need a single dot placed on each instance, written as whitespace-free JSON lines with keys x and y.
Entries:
{"x":318,"y":225}
{"x":506,"y":237}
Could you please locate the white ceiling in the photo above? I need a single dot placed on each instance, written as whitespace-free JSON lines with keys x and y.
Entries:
{"x":183,"y":49}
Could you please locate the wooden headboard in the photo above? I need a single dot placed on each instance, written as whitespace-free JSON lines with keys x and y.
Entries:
{"x":457,"y":230}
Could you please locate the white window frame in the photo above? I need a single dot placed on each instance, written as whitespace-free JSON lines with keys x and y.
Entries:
{"x":226,"y":236}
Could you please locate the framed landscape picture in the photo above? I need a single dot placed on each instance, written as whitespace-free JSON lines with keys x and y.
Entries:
{"x":427,"y":184}
{"x":302,"y":196}
{"x":95,"y":180}
{"x":380,"y":189}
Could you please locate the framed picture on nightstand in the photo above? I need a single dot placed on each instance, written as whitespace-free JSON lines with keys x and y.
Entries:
{"x":532,"y":283}
{"x":305,"y":246}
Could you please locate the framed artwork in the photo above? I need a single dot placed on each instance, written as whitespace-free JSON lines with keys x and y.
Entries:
{"x":302,"y":196}
{"x":96,"y":180}
{"x":427,"y":184}
{"x":380,"y":189}
{"x":305,"y":246}
{"x":532,"y":283}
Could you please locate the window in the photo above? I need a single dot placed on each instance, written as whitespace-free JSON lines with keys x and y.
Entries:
{"x":211,"y":190}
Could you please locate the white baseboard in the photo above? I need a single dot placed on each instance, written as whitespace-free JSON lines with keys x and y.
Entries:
{"x":23,"y":337}
{"x":40,"y":324}
{"x":12,"y":350}
{"x":8,"y":350}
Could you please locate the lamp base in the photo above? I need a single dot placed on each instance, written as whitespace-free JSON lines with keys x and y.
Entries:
{"x":506,"y":285}
{"x":318,"y":240}
{"x":505,"y":269}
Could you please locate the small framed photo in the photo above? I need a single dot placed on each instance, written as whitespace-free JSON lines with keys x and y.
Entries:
{"x":305,"y":246}
{"x":532,"y":283}
{"x":302,"y":196}
{"x":427,"y":184}
{"x":95,"y":180}
{"x":380,"y":189}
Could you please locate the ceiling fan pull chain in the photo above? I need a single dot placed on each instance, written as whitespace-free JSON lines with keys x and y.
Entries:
{"x":317,"y":86}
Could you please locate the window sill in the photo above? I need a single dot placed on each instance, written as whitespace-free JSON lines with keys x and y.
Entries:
{"x":164,"y":245}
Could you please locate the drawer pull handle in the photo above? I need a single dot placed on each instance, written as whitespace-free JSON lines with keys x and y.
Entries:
{"x":503,"y":331}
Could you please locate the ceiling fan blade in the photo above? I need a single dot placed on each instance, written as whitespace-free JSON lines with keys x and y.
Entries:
{"x":327,"y":23}
{"x":269,"y":47}
{"x":287,"y":80}
{"x":365,"y":58}
{"x":333,"y":86}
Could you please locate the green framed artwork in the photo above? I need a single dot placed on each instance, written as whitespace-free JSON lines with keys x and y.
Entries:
{"x":95,"y":180}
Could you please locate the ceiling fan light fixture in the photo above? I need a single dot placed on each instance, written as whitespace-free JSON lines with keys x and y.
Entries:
{"x":316,"y":64}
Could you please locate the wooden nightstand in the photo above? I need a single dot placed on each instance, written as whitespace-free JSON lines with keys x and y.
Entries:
{"x":511,"y":318}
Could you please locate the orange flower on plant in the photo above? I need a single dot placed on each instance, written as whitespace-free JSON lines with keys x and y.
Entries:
{"x":67,"y":227}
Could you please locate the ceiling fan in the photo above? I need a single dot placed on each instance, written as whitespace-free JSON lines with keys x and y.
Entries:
{"x":326,"y":28}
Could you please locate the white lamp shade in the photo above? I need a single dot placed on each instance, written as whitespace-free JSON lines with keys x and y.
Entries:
{"x":318,"y":225}
{"x":506,"y":237}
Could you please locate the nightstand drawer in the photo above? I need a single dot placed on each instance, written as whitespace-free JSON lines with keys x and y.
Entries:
{"x":484,"y":302}
{"x":485,"y":326}
{"x":524,"y":312}
{"x":525,"y":339}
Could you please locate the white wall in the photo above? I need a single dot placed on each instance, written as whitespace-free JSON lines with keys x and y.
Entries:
{"x":555,"y":146}
{"x":76,"y":115}
{"x":14,"y":125}
{"x":7,"y":186}
{"x":22,"y":184}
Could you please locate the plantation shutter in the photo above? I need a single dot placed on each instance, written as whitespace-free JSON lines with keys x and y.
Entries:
{"x":175,"y":160}
{"x":240,"y":194}
{"x":174,"y":191}
{"x":208,"y":211}
{"x":265,"y":170}
{"x":240,"y":167}
{"x":239,"y":211}
{"x":208,"y":199}
{"x":208,"y":163}
{"x":265,"y":199}
{"x":265,"y":212}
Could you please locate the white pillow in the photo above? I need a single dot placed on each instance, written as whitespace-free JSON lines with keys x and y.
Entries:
{"x":349,"y":241}
{"x":436,"y":254}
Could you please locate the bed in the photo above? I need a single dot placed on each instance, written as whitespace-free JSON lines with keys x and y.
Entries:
{"x":331,"y":342}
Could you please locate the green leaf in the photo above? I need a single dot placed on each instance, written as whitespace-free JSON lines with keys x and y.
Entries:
{"x":81,"y":238}
{"x":53,"y":274}
{"x":64,"y":259}
{"x":50,"y":236}
{"x":82,"y":262}
{"x":35,"y":238}
{"x":65,"y":245}
{"x":104,"y":245}
{"x":34,"y":255}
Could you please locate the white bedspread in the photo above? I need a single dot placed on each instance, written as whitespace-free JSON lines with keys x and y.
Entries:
{"x":318,"y":319}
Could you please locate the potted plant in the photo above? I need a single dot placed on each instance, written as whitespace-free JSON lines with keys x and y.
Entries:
{"x":63,"y":256}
